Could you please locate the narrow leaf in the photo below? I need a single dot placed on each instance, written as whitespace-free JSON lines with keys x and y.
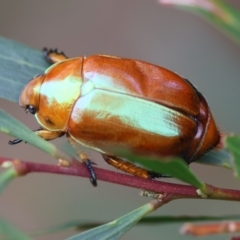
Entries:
{"x":18,"y":64}
{"x":10,"y":232}
{"x":220,"y":158}
{"x":175,"y":167}
{"x":11,"y":126}
{"x":84,"y":225}
{"x":116,"y":228}
{"x":217,"y":12}
{"x":233,"y":145}
{"x":181,"y":219}
{"x":6,"y":177}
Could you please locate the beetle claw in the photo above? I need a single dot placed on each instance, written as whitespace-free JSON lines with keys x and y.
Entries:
{"x":15,"y":141}
{"x":93,"y":181}
{"x":158,"y":175}
{"x":53,"y":56}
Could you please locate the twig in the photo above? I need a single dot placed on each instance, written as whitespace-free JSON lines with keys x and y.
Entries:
{"x":179,"y":190}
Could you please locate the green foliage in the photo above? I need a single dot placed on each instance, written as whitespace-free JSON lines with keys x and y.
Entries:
{"x":220,"y":158}
{"x":217,"y":12}
{"x":13,"y":127}
{"x":18,"y":65}
{"x":7,"y":231}
{"x":6,"y":177}
{"x":116,"y":228}
{"x":84,"y":225}
{"x":233,"y":143}
{"x":175,"y":167}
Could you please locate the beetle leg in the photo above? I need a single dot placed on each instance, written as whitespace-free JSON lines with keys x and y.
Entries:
{"x":126,"y":166}
{"x":53,"y":56}
{"x":86,"y":161}
{"x":45,"y":134}
{"x":48,"y":135}
{"x":89,"y":166}
{"x":15,"y":141}
{"x":131,"y":168}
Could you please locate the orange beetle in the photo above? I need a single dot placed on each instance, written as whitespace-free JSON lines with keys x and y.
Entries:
{"x":104,"y":101}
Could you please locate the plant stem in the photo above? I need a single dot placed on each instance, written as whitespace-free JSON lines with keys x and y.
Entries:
{"x":179,"y":190}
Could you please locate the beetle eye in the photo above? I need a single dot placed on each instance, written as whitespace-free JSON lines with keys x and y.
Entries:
{"x":31,"y":109}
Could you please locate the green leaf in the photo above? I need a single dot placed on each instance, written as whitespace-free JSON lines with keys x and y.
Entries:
{"x":181,"y":219}
{"x":233,"y":145}
{"x":175,"y":167}
{"x":116,"y":228}
{"x":84,"y":225}
{"x":10,"y":232}
{"x":18,"y":64}
{"x":11,"y":126}
{"x":6,"y":177}
{"x":220,"y":158}
{"x":217,"y":12}
{"x":67,"y":148}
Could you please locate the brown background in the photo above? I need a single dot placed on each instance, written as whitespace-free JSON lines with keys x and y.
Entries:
{"x":135,"y":29}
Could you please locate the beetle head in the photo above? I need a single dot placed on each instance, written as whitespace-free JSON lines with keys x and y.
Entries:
{"x":29,"y":98}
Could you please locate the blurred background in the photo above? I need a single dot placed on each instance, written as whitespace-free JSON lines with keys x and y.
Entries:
{"x":142,"y":30}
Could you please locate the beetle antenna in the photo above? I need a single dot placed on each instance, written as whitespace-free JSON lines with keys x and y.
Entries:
{"x":15,"y":141}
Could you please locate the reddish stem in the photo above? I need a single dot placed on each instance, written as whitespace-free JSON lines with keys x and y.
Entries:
{"x":179,"y":190}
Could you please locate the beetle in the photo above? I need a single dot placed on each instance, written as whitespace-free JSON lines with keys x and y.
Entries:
{"x":105,"y":102}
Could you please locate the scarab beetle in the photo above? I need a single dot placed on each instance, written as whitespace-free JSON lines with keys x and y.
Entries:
{"x":103,"y":101}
